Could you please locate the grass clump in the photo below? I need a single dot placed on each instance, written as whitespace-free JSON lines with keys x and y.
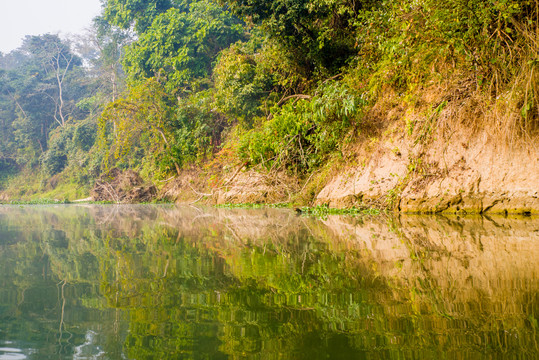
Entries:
{"x":253,"y":206}
{"x":324,"y":210}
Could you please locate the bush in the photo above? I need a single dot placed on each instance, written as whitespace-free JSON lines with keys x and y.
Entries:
{"x":241,"y":84}
{"x":54,"y":160}
{"x":85,"y":135}
{"x":198,"y":129}
{"x":303,"y":132}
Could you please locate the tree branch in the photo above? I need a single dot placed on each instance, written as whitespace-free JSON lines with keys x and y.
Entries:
{"x":296,"y":96}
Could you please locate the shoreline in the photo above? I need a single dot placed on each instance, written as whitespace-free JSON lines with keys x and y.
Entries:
{"x":302,"y":210}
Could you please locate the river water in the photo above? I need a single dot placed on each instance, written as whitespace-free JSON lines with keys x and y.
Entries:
{"x":166,"y":282}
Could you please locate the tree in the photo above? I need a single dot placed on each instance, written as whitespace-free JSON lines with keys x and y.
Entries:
{"x":57,"y":60}
{"x":40,"y":86}
{"x":137,"y":14}
{"x":103,"y":49}
{"x":318,"y":33}
{"x":142,"y":121}
{"x":241,"y":82}
{"x":181,"y":45}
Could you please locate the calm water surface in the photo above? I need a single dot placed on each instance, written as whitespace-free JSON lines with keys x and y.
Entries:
{"x":164,"y":282}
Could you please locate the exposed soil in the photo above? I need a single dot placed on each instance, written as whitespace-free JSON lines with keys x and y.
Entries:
{"x":448,"y":164}
{"x":471,"y":174}
{"x":472,"y":177}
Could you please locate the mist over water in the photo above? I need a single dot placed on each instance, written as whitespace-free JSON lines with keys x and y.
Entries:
{"x":167,"y":282}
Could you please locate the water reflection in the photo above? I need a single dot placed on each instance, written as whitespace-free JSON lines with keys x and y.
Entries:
{"x":11,"y":354}
{"x":164,"y":282}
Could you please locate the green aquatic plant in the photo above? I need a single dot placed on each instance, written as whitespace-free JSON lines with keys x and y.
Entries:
{"x":253,"y":206}
{"x":324,"y":210}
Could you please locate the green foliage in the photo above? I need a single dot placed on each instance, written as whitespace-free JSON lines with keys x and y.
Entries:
{"x":318,"y":33}
{"x":294,"y":74}
{"x":274,"y":60}
{"x":137,"y":126}
{"x":302,"y":133}
{"x":44,"y":201}
{"x":165,"y":119}
{"x":323,"y":211}
{"x":181,"y":45}
{"x":147,"y":129}
{"x":487,"y":39}
{"x":8,"y":169}
{"x":38,"y":94}
{"x":84,"y":135}
{"x":253,"y":206}
{"x":137,"y":13}
{"x":71,"y":146}
{"x":104,"y":53}
{"x":241,"y":83}
{"x":54,"y":160}
{"x":198,"y":128}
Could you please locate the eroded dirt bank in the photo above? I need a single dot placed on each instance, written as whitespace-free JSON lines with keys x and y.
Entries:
{"x":472,"y":175}
{"x":455,"y":174}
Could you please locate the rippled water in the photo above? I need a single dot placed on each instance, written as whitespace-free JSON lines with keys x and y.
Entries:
{"x":165,"y":282}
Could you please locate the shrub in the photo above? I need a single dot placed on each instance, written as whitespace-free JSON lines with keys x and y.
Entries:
{"x":303,"y":132}
{"x":54,"y":160}
{"x":85,"y":135}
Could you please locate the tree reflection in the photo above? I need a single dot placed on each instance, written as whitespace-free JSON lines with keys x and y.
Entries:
{"x":161,"y":282}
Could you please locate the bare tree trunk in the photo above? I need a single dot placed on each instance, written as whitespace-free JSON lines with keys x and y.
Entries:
{"x":60,"y":76}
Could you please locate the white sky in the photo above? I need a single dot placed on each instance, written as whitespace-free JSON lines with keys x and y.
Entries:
{"x":34,"y":17}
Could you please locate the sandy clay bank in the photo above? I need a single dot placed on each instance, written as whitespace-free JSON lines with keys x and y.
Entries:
{"x":474,"y":175}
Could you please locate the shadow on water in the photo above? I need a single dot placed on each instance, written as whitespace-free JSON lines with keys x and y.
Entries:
{"x":166,"y":282}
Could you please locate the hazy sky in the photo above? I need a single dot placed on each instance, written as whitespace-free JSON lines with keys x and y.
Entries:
{"x":33,"y":17}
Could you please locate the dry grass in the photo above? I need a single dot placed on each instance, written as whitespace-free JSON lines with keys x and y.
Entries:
{"x":456,"y":106}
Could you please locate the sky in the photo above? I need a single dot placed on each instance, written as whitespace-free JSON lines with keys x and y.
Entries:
{"x":34,"y":17}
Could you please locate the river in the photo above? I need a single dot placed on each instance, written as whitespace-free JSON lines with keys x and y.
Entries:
{"x":167,"y":282}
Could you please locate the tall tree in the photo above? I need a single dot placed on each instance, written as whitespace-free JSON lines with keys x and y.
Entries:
{"x":39,"y":89}
{"x":179,"y":40}
{"x":56,"y":59}
{"x":317,"y":32}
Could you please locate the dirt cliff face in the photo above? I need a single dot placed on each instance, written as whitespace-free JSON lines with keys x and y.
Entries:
{"x":464,"y":174}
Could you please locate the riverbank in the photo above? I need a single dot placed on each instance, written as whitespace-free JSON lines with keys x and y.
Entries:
{"x":473,"y":175}
{"x":406,"y":106}
{"x":437,"y":155}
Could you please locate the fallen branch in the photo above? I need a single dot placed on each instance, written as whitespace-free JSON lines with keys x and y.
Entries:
{"x":198,"y":193}
{"x":108,"y":188}
{"x":234,"y":176}
{"x":167,"y":180}
{"x":197,"y":200}
{"x":307,"y":182}
{"x":286,"y":98}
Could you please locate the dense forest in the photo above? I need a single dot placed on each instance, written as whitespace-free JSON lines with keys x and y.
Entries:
{"x":285,"y":86}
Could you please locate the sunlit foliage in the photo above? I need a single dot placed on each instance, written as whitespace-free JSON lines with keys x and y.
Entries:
{"x":292,"y":79}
